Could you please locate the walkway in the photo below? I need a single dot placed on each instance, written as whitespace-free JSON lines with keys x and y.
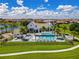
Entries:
{"x":30,"y":52}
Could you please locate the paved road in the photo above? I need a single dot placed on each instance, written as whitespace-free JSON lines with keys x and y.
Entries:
{"x":31,"y":52}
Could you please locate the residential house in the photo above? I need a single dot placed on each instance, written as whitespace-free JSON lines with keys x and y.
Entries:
{"x":37,"y":26}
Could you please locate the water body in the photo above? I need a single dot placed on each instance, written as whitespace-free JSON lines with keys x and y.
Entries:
{"x":47,"y":36}
{"x":6,"y":29}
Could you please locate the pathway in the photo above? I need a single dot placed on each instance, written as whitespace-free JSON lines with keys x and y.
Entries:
{"x":51,"y":51}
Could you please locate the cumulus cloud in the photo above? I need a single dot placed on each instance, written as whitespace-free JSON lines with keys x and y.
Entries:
{"x":22,"y":10}
{"x":3,"y":8}
{"x":66,"y":7}
{"x":46,"y":0}
{"x":20,"y":2}
{"x":39,"y":13}
{"x":45,"y":14}
{"x":19,"y":10}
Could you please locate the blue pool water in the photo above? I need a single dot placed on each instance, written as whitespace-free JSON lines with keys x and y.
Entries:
{"x":47,"y":36}
{"x":47,"y":33}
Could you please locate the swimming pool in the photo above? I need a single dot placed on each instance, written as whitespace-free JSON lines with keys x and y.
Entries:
{"x":47,"y":36}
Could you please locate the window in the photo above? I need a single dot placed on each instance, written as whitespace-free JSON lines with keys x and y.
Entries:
{"x":35,"y":25}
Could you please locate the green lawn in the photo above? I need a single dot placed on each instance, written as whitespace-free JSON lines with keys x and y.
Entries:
{"x":65,"y":55}
{"x":31,"y":46}
{"x":74,"y":54}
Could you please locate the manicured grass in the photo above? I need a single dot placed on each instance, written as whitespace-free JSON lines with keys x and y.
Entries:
{"x":12,"y":47}
{"x":74,"y":54}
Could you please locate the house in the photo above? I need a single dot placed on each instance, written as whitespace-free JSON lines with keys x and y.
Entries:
{"x":32,"y":25}
{"x":37,"y":26}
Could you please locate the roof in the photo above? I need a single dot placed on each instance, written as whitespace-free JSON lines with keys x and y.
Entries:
{"x":40,"y":25}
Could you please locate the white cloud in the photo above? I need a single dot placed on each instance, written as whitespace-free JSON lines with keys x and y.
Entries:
{"x":3,"y":8}
{"x":43,"y":14}
{"x":19,"y":10}
{"x":66,"y":7}
{"x":39,"y":12}
{"x":22,"y":10}
{"x":20,"y":2}
{"x":46,"y":0}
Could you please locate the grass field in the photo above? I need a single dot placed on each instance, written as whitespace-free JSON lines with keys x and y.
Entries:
{"x":65,"y":55}
{"x":28,"y":46}
{"x":12,"y":47}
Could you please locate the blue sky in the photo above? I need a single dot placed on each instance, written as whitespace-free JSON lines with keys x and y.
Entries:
{"x":57,"y":6}
{"x":51,"y":4}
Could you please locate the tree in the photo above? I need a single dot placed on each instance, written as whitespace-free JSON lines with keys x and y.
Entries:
{"x":56,"y":28}
{"x":1,"y":29}
{"x":6,"y":27}
{"x":43,"y":28}
{"x":64,"y":29}
{"x":23,"y":29}
{"x":74,"y":28}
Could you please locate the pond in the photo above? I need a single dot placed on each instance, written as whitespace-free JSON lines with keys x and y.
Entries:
{"x":3,"y":29}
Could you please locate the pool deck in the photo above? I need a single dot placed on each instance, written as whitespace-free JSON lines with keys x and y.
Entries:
{"x":35,"y":37}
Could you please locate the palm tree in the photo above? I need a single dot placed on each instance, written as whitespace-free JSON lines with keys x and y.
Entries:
{"x":43,"y":28}
{"x":64,"y":29}
{"x":73,"y":33}
{"x":23,"y":29}
{"x":74,"y":29}
{"x":6,"y":27}
{"x":56,"y":28}
{"x":1,"y":29}
{"x":58,"y":31}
